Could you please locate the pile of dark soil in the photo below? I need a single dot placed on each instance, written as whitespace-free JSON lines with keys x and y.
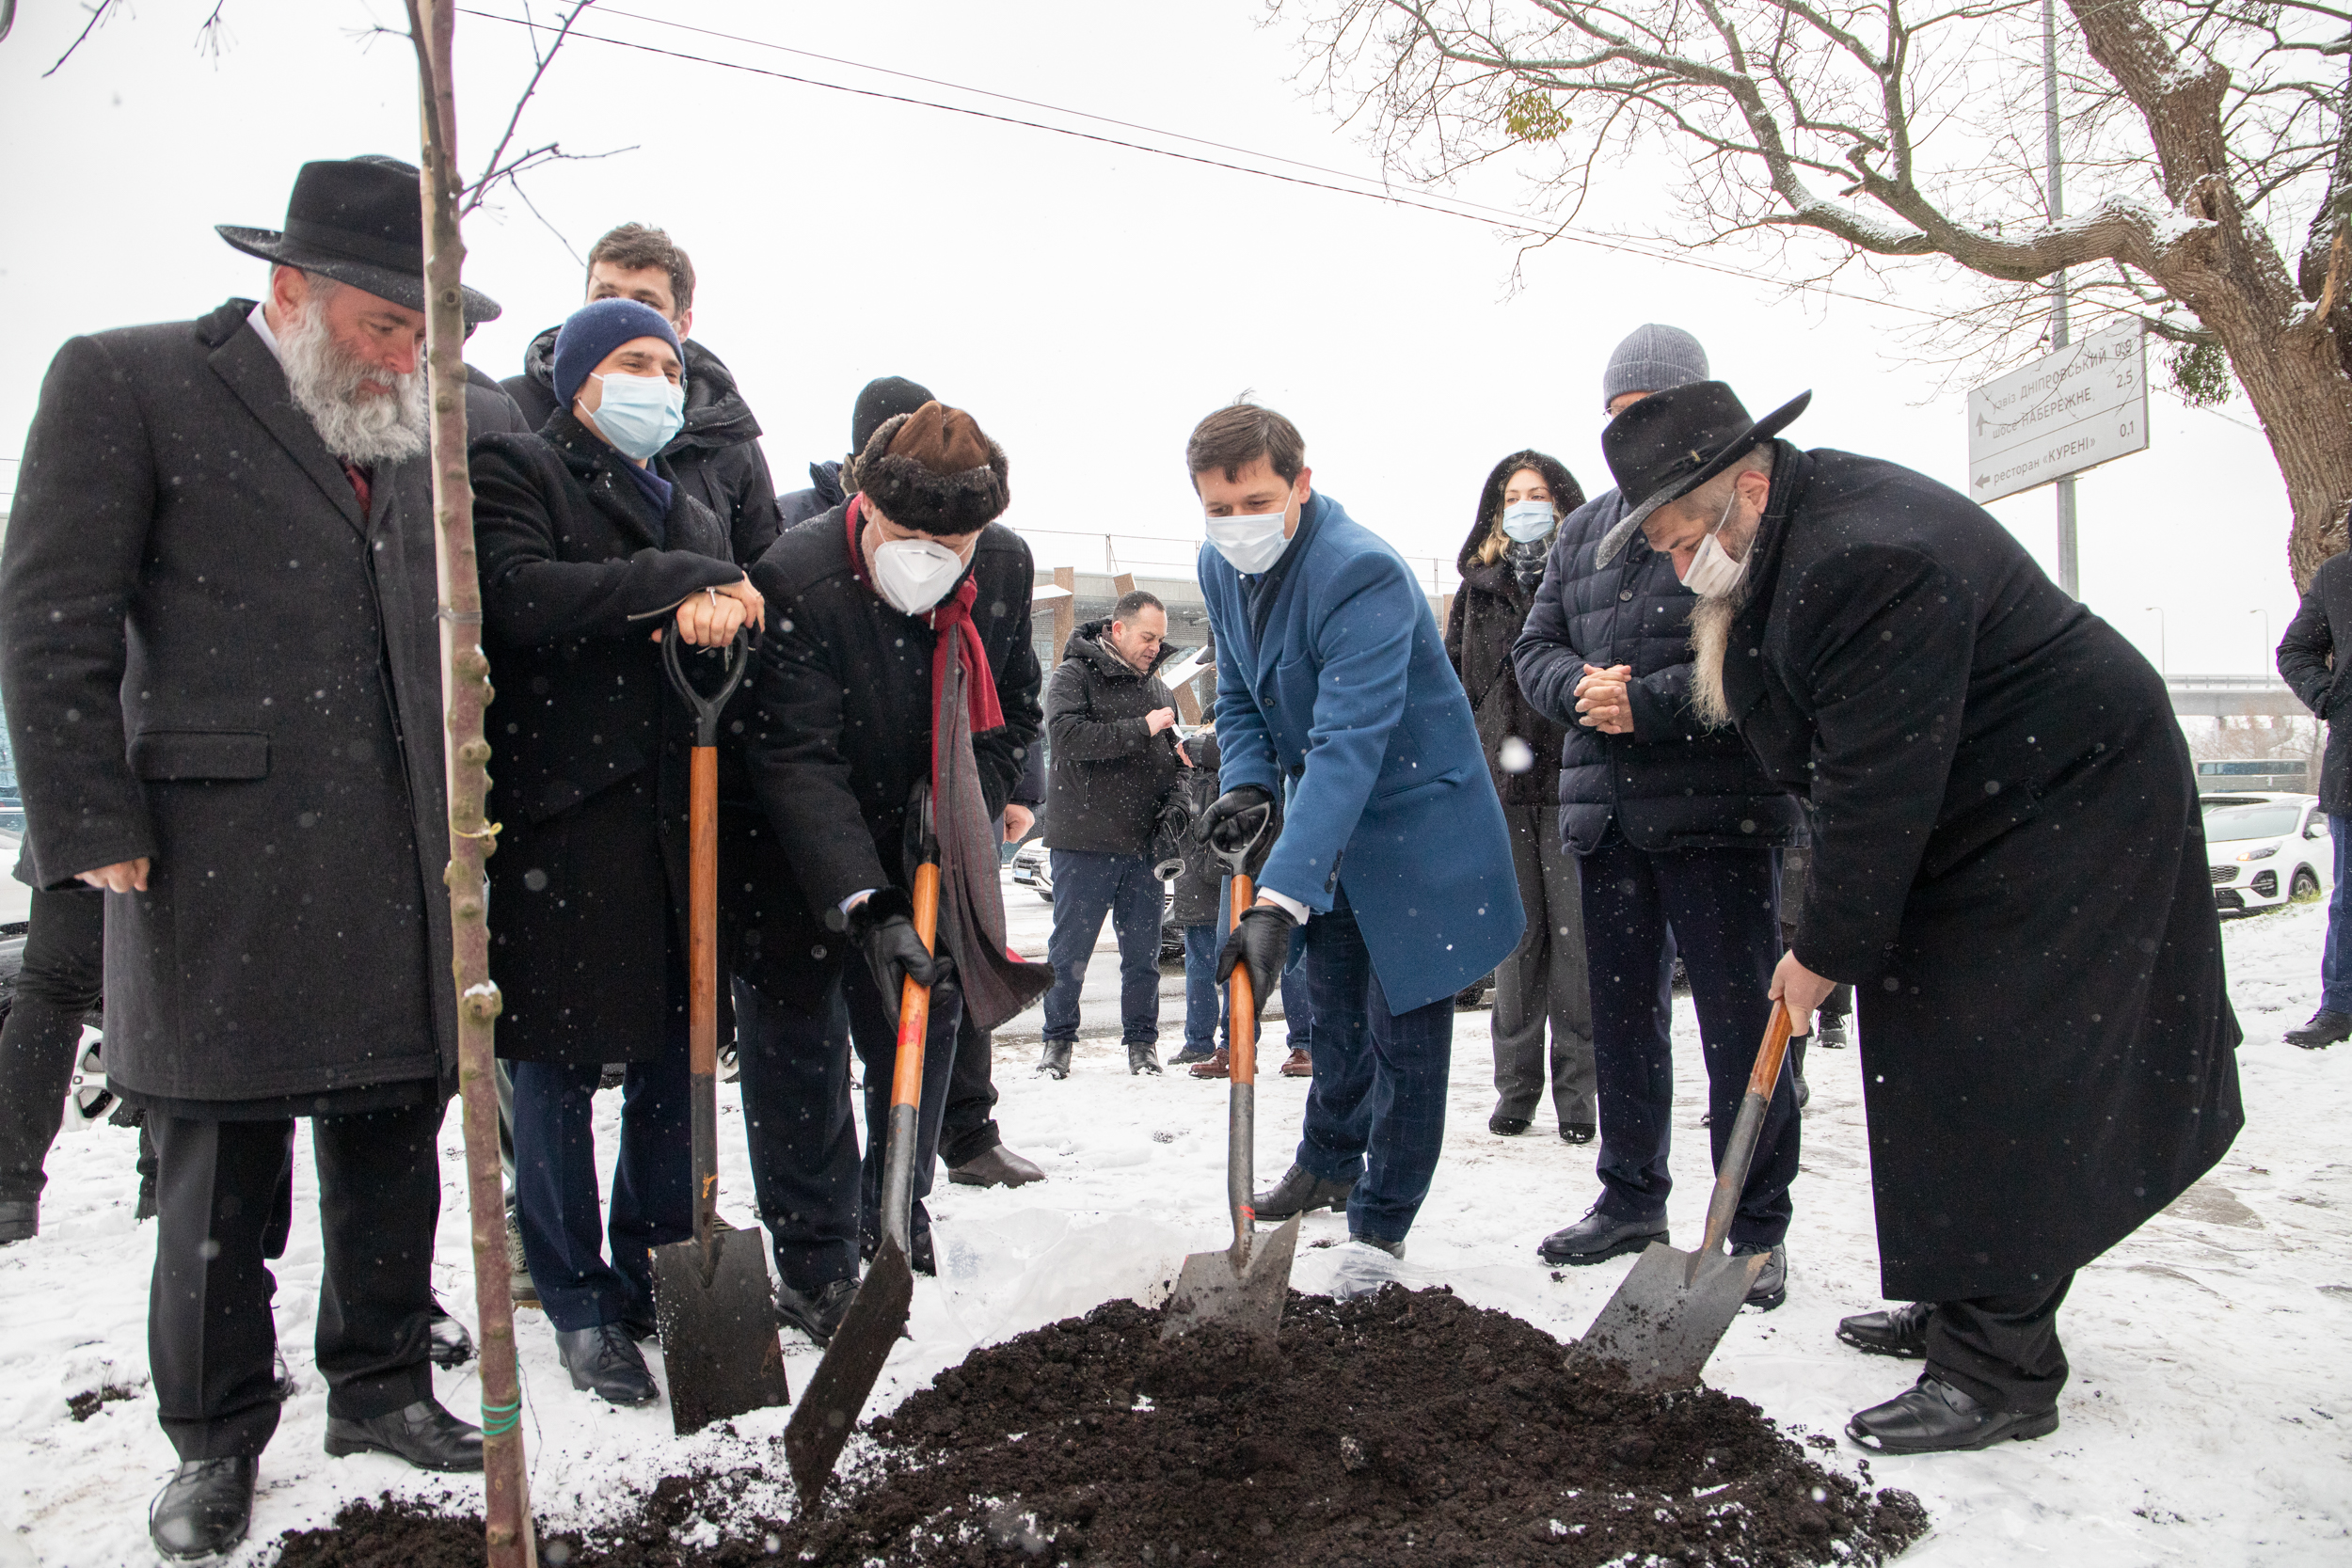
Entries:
{"x":1398,"y":1428}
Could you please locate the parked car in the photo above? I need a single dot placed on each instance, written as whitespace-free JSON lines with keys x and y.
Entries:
{"x":1033,"y":868}
{"x":2267,"y":848}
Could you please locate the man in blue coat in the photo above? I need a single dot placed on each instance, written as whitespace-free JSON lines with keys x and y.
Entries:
{"x":1335,"y":700}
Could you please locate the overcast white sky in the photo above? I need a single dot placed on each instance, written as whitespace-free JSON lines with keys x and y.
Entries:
{"x":1087,"y":303}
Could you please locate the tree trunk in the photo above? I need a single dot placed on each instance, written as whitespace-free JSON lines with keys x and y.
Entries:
{"x":466,"y":695}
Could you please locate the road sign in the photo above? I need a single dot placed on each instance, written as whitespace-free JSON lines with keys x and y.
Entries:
{"x":2067,"y":411}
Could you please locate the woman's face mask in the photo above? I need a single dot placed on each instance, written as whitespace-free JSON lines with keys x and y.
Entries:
{"x":1713,"y":573}
{"x":1529,"y":520}
{"x":640,"y":414}
{"x":912,"y":575}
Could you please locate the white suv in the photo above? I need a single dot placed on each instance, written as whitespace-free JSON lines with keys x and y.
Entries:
{"x":2267,"y":850}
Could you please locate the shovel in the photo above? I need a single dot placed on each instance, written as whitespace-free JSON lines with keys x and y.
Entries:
{"x":712,"y":1301}
{"x":1671,"y":1311}
{"x":1242,"y":1286}
{"x":877,"y":1316}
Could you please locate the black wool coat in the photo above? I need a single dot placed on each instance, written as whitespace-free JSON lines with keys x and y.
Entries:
{"x":212,"y":656}
{"x":1107,"y":771}
{"x":716,"y":458}
{"x":2008,"y":862}
{"x":588,"y":742}
{"x":1673,"y":784}
{"x":836,"y":735}
{"x":1489,"y":610}
{"x":2309,"y":660}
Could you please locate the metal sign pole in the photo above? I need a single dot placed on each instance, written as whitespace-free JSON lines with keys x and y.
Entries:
{"x":2070,"y":571}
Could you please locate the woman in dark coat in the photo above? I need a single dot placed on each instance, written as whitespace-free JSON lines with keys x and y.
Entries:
{"x":585,"y":552}
{"x":1543,"y":981}
{"x":2008,"y":862}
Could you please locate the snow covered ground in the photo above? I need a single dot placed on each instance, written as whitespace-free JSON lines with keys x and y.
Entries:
{"x":2209,"y":1421}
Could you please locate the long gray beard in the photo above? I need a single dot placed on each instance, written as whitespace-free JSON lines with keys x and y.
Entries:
{"x":359,"y":427}
{"x":1710,"y":638}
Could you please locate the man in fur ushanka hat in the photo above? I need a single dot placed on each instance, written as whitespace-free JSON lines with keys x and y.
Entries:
{"x":896,"y":662}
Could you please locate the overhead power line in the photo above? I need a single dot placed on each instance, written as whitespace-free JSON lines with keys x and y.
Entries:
{"x":1466,"y":211}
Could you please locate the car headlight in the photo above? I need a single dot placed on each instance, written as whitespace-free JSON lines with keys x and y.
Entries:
{"x":2262,"y":854}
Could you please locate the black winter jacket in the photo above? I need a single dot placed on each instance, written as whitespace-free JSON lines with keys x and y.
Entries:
{"x":1108,"y":769}
{"x":716,"y":458}
{"x":1196,"y":892}
{"x":577,"y":571}
{"x":838,"y":734}
{"x":2308,"y":659}
{"x":823,"y":494}
{"x":1673,"y":784}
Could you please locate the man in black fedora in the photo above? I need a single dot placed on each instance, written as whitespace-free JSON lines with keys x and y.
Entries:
{"x":1675,"y":828}
{"x":217,"y":646}
{"x":2008,"y":863}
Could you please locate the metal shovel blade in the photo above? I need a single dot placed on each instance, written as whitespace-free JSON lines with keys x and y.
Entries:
{"x":1210,"y":1289}
{"x":719,"y":1342}
{"x":1661,"y":1331}
{"x":836,"y":1394}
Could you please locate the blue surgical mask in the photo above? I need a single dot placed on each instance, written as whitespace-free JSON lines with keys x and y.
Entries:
{"x":1252,"y":542}
{"x":1529,"y":520}
{"x":640,"y":414}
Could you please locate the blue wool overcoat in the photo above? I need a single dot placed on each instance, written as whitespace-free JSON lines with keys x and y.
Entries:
{"x":1348,"y":699}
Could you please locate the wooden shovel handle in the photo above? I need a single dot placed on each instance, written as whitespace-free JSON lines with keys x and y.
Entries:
{"x":914,"y":999}
{"x":1241,"y":1030}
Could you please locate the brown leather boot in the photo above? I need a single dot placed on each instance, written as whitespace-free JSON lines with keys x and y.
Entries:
{"x":1298,"y":1065}
{"x":1218,"y":1066}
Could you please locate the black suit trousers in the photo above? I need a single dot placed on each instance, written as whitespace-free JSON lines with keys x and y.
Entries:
{"x":39,"y":1046}
{"x":210,"y":1333}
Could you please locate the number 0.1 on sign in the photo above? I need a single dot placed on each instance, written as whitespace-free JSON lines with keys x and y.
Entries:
{"x":2067,"y":411}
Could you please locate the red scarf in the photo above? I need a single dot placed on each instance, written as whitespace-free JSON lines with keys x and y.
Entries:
{"x":956,"y":636}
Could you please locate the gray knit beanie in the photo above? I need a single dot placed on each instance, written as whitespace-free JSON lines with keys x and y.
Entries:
{"x":1653,"y":358}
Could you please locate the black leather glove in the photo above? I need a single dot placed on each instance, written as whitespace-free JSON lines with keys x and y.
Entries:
{"x":1236,"y":817}
{"x":1262,"y":944}
{"x":883,"y":929}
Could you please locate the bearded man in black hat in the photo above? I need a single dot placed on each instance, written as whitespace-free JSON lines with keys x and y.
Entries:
{"x":2008,"y":864}
{"x":896,"y":701}
{"x":222,"y":677}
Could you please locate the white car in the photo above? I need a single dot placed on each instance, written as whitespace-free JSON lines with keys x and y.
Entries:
{"x":2267,"y":850}
{"x":16,"y":899}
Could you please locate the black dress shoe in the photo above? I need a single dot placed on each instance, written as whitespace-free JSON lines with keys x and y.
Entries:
{"x":605,"y":1360}
{"x":1301,"y":1192}
{"x":1142,"y":1058}
{"x":1936,"y":1418}
{"x":1507,"y":1127}
{"x":815,"y":1313}
{"x":1832,"y":1033}
{"x":19,"y":1222}
{"x":1901,"y":1331}
{"x":1577,"y":1132}
{"x":423,"y":1433}
{"x":1055,"y":1058}
{"x":1394,"y":1249}
{"x":998,"y":1167}
{"x":1770,"y":1285}
{"x":2326,"y":1028}
{"x":1190,"y":1055}
{"x":203,"y":1509}
{"x":1597,"y":1237}
{"x":449,"y":1345}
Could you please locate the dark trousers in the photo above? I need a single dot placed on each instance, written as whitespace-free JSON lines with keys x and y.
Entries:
{"x":1719,"y":909}
{"x":2335,"y":956}
{"x":1376,"y":1110}
{"x":2002,"y":1351}
{"x":819,"y":1198}
{"x":558,"y":1205}
{"x":63,"y":976}
{"x":967,"y":1127}
{"x":1088,"y":886}
{"x":210,"y":1336}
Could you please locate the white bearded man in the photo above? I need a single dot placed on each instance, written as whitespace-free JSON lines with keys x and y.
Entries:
{"x":219,"y":649}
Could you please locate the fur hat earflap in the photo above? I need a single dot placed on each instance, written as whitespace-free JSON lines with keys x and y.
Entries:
{"x":933,"y":469}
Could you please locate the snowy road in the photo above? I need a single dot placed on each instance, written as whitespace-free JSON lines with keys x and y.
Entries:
{"x":2209,"y":1419}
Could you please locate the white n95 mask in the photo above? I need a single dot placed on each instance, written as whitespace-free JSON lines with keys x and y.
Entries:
{"x":1251,"y":543}
{"x":912,"y":575}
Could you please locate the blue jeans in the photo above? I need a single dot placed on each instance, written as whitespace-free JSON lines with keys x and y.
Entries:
{"x":1087,"y":885}
{"x":2335,"y":958}
{"x":555,"y":1184}
{"x":1376,"y":1113}
{"x":1205,"y":1011}
{"x":1719,"y":909}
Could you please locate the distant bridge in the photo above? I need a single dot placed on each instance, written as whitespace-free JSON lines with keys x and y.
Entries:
{"x":2234,"y":696}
